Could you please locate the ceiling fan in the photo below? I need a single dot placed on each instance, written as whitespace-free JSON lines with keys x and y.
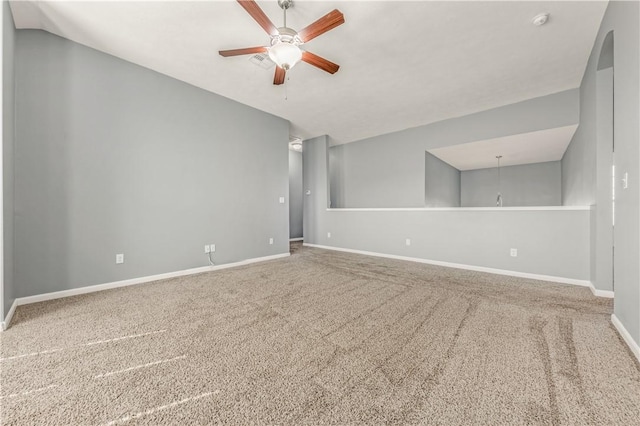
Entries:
{"x":284,"y":48}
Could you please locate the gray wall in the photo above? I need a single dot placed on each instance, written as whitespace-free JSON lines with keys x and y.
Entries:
{"x":295,"y":194}
{"x":580,"y":161}
{"x":441,"y":183}
{"x":549,"y":242}
{"x":602,"y":248}
{"x":114,"y":158}
{"x":8,"y":134}
{"x":538,"y":184}
{"x":315,"y":183}
{"x":336,"y":181}
{"x":388,"y":170}
{"x":553,"y":243}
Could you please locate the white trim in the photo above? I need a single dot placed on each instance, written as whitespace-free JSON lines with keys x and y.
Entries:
{"x":296,"y":239}
{"x":562,"y":280}
{"x":635,"y":349}
{"x":7,"y":319}
{"x":2,"y":143}
{"x":600,"y":293}
{"x":461,"y":209}
{"x":133,"y":281}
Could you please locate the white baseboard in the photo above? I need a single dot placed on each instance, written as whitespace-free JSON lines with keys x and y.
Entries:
{"x":124,"y":283}
{"x":626,"y":336}
{"x":7,"y":319}
{"x":600,"y":293}
{"x":296,"y":239}
{"x":550,"y":278}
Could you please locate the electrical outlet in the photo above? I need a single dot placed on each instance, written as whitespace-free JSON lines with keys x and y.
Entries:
{"x":119,"y":258}
{"x":328,"y":234}
{"x":281,"y":200}
{"x":207,"y":249}
{"x":408,"y":241}
{"x":212,"y":248}
{"x":270,"y":240}
{"x":514,"y":252}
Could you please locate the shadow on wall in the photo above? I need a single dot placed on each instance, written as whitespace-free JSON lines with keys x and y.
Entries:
{"x":296,"y":196}
{"x":336,"y":178}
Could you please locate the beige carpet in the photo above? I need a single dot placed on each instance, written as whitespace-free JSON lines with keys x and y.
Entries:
{"x":321,"y":338}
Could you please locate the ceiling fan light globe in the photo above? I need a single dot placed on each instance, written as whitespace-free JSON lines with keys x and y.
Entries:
{"x":285,"y":55}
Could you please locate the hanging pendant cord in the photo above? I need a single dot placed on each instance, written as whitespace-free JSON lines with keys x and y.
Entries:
{"x":499,"y":199}
{"x":499,"y":181}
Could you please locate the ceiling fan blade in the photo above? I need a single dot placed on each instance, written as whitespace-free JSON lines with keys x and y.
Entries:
{"x":256,"y":13}
{"x":322,"y":25}
{"x":245,"y":51}
{"x":279,"y":77}
{"x":320,"y":62}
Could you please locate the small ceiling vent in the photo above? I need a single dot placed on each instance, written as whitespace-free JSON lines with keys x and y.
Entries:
{"x":262,"y":60}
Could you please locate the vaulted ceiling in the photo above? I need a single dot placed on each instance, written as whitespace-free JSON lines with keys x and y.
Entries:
{"x":402,"y":64}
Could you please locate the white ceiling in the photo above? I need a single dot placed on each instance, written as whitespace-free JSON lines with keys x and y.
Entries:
{"x":403,"y":64}
{"x":526,"y":148}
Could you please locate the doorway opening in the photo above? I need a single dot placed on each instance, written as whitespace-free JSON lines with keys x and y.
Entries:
{"x":295,"y":191}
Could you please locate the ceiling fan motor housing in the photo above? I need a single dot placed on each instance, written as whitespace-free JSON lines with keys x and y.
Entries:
{"x":286,"y":35}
